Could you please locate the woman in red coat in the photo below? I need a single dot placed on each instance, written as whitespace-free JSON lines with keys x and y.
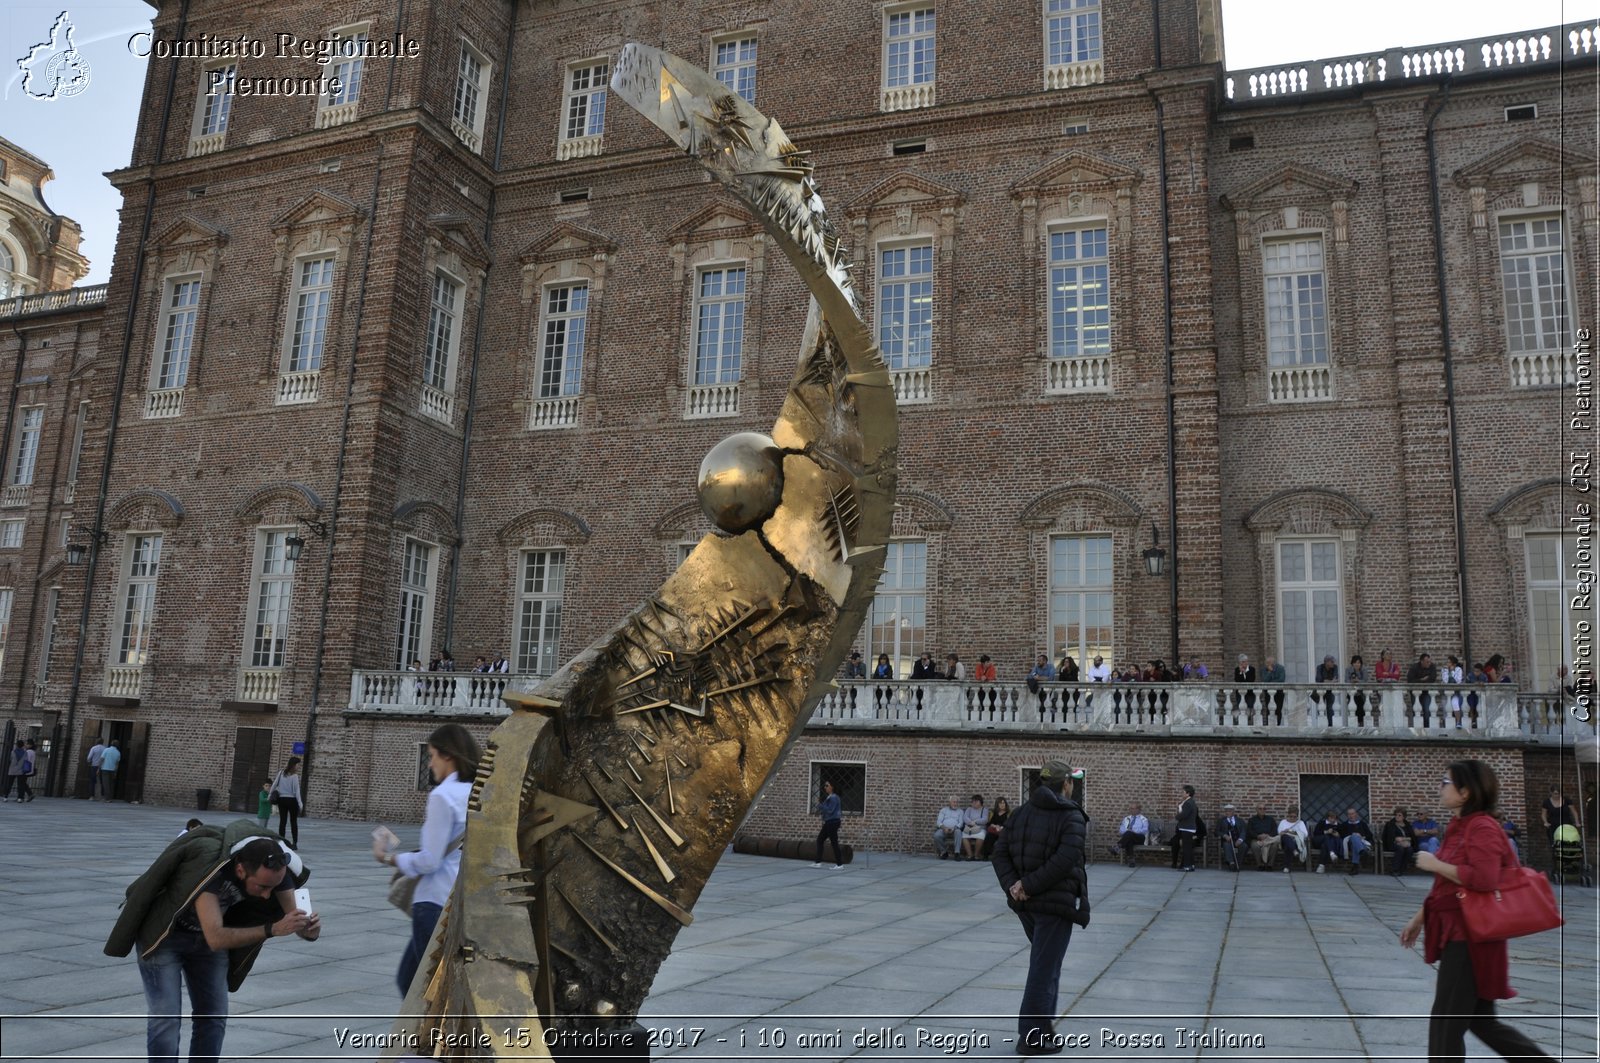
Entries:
{"x":1472,"y":976}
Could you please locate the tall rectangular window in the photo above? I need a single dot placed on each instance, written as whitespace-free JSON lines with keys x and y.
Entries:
{"x":1072,"y":31}
{"x":271,"y":591}
{"x":734,"y":64}
{"x":6,"y":597}
{"x":1080,"y":294}
{"x":77,"y":441}
{"x":177,"y":334}
{"x":216,"y":99}
{"x":538,"y":639}
{"x":11,"y":534}
{"x":1533,"y":272}
{"x":466,"y":109}
{"x":349,"y":67}
{"x":719,"y":326}
{"x":140,"y":573}
{"x":908,"y":47}
{"x":441,"y":344}
{"x":566,"y":316}
{"x":586,"y":101}
{"x":1297,"y":309}
{"x":416,"y":604}
{"x":309,"y":327}
{"x":48,"y":640}
{"x":900,"y":607}
{"x":1081,"y":598}
{"x":1553,"y":613}
{"x":905,"y":306}
{"x":26,"y":459}
{"x":1310,"y":606}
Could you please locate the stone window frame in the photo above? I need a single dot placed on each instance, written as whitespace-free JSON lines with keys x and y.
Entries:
{"x":471,"y":133}
{"x":913,"y":94}
{"x":453,"y":249}
{"x":1277,"y":639}
{"x":1081,"y":509}
{"x":919,"y":516}
{"x":518,"y":598}
{"x":535,"y":530}
{"x":433,"y":526}
{"x":188,"y":248}
{"x":14,"y":452}
{"x":8,"y":598}
{"x":331,"y":114}
{"x":319,"y":226}
{"x":1530,"y":177}
{"x":14,"y":279}
{"x":5,"y":530}
{"x":586,"y":144}
{"x":1053,"y":650}
{"x":1294,"y":201}
{"x":1075,"y":73}
{"x":566,"y":254}
{"x":1538,"y":508}
{"x":132,"y":672}
{"x":1309,"y":513}
{"x":1523,"y":375}
{"x":716,"y":236}
{"x":541,"y":329}
{"x":259,"y":682}
{"x":1078,"y":190}
{"x":735,"y":36}
{"x":202,"y":142}
{"x":430,"y":594}
{"x":904,"y":209}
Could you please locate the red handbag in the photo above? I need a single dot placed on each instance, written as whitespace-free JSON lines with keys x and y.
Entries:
{"x":1524,"y":904}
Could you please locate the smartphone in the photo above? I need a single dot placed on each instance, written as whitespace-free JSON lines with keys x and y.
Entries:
{"x":302,"y":900}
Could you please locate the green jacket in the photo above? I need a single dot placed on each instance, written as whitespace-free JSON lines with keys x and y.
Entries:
{"x":155,"y":898}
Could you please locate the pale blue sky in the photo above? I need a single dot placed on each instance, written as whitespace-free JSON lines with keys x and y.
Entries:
{"x":86,"y":135}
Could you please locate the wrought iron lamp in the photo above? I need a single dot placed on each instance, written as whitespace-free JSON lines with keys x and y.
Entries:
{"x":295,"y":544}
{"x":1155,"y":558}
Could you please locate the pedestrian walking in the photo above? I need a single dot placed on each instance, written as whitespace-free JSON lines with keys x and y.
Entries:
{"x":828,"y":809}
{"x":1039,"y":859}
{"x":1472,"y":975}
{"x":110,"y":761}
{"x":17,"y":773}
{"x":96,"y":751}
{"x":264,"y":805}
{"x":286,"y":793}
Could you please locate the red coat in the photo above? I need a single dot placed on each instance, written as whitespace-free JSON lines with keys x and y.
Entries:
{"x":1477,"y":846}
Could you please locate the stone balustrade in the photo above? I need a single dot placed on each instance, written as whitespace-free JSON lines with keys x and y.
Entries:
{"x":1547,"y":48}
{"x":49,"y":302}
{"x":298,"y":387}
{"x":1290,"y":711}
{"x":124,"y":680}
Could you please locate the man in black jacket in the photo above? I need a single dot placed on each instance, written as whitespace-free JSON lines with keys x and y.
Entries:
{"x":1188,"y":827}
{"x":1039,"y":860}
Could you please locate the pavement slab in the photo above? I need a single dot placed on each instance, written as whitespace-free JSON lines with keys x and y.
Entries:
{"x":895,"y":957}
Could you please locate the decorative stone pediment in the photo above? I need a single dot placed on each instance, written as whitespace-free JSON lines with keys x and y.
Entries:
{"x":904,"y":188}
{"x":1293,"y":184}
{"x":1536,"y":507}
{"x":1307,"y":511}
{"x":320,"y":223}
{"x":716,"y":222}
{"x":188,"y":245}
{"x":1076,"y":170}
{"x":460,"y":235}
{"x":1516,"y":163}
{"x":544,"y":526}
{"x":1080,"y":507}
{"x":566,"y":241}
{"x":919,"y":511}
{"x":293,"y":496}
{"x":144,"y":508}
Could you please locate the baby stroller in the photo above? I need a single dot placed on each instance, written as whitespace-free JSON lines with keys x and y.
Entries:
{"x":1566,"y":849}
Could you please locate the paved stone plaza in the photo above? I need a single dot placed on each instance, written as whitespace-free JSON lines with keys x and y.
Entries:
{"x":893,"y":957}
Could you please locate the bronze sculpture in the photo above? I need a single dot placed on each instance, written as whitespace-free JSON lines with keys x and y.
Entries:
{"x":605,"y":800}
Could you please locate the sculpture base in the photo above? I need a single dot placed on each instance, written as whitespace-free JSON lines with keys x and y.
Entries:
{"x":626,"y":1044}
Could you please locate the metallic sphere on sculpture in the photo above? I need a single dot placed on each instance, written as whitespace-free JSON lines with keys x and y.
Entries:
{"x":741,"y":481}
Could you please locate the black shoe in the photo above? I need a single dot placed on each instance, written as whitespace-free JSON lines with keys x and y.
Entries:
{"x":944,"y":856}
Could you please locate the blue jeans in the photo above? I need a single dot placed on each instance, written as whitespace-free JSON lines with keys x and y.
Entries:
{"x":185,"y":958}
{"x":1354,"y":846}
{"x":424,"y":916}
{"x":1049,"y":935}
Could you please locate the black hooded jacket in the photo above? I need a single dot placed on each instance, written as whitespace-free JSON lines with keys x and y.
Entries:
{"x":1044,"y":845}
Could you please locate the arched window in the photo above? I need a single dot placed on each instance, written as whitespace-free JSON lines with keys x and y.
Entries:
{"x":7,"y":264}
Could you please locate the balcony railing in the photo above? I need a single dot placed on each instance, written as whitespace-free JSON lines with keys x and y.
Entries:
{"x":554,"y":413}
{"x":441,"y":693}
{"x":1543,"y":49}
{"x":1299,"y":383}
{"x":1074,"y":75}
{"x":466,"y":134}
{"x":298,"y":387}
{"x":167,"y":402}
{"x":906,"y":97}
{"x":1303,"y":711}
{"x":1537,"y":369}
{"x":912,"y":385}
{"x":1070,"y":375}
{"x":580,"y":147}
{"x":15,"y":496}
{"x":338,"y":114}
{"x":260,"y":684}
{"x":712,"y":400}
{"x":437,"y":404}
{"x":207,"y":144}
{"x":123,"y":680}
{"x":70,"y":298}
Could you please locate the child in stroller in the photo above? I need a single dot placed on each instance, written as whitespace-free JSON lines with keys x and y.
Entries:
{"x":1566,"y":848}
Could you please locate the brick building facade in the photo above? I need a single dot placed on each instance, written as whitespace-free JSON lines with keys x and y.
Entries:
{"x":464,"y":334}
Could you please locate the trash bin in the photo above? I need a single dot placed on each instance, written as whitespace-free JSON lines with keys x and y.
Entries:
{"x":202,"y":800}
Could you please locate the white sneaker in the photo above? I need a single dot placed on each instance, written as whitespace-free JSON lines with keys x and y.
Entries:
{"x":816,"y":865}
{"x":838,"y":867}
{"x":1321,"y":868}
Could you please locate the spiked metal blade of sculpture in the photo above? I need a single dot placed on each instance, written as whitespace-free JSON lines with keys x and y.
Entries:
{"x":605,"y":800}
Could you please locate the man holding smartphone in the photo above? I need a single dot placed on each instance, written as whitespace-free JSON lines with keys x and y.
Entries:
{"x":199,"y":916}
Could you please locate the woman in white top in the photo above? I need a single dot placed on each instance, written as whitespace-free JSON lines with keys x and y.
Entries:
{"x":453,"y":759}
{"x":287,"y":788}
{"x":1452,"y":674}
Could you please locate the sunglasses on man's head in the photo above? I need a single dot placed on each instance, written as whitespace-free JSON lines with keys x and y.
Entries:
{"x":273,"y":861}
